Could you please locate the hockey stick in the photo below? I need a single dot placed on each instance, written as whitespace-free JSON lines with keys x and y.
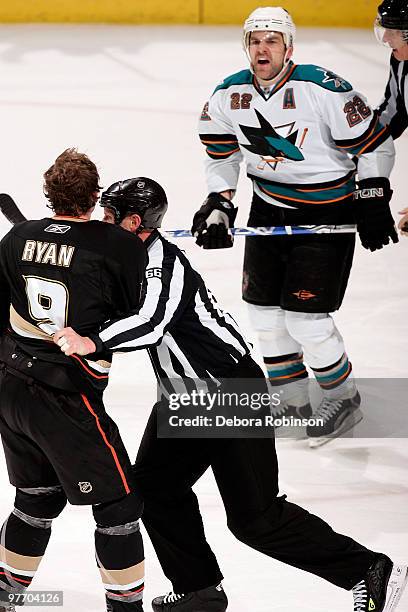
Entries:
{"x":283,"y":230}
{"x":10,"y":209}
{"x":13,"y":214}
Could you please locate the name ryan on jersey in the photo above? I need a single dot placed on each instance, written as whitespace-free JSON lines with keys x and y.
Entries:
{"x":48,"y":253}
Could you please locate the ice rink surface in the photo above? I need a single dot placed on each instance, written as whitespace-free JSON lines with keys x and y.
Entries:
{"x":130,"y":97}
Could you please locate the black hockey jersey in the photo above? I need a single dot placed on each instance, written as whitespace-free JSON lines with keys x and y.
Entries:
{"x":57,"y":273}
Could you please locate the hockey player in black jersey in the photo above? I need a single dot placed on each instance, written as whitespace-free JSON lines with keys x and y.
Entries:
{"x":391,"y":29}
{"x":58,"y":440}
{"x":189,"y":336}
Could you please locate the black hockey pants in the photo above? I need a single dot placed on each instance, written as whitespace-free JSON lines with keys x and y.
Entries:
{"x":246,"y":472}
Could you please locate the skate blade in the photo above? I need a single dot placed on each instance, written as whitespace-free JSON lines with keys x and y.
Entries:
{"x":396,"y":585}
{"x":291,"y":433}
{"x":351,"y":421}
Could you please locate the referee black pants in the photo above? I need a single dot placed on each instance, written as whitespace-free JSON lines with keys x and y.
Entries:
{"x":246,"y":472}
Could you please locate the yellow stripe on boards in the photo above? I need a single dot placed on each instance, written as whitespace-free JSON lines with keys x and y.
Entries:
{"x":99,"y":11}
{"x":336,"y":13}
{"x":316,"y":13}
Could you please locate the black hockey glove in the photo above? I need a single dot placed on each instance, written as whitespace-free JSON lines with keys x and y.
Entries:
{"x":372,"y":209}
{"x":212,"y":222}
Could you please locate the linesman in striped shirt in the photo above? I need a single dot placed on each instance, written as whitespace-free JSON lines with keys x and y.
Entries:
{"x":188,"y":337}
{"x":391,"y":29}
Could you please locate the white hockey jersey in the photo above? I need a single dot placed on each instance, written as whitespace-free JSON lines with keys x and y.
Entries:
{"x":298,"y":141}
{"x":393,"y":109}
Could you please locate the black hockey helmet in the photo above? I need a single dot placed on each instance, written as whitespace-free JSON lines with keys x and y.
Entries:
{"x":141,"y":196}
{"x":393,"y":14}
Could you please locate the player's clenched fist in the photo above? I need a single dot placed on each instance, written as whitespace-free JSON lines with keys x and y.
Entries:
{"x":403,"y":224}
{"x":70,"y":342}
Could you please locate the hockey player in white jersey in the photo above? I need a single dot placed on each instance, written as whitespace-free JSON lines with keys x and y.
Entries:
{"x":391,"y":29}
{"x":298,"y":128}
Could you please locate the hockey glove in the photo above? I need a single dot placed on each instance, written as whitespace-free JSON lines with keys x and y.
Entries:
{"x":375,"y":224}
{"x":212,"y":222}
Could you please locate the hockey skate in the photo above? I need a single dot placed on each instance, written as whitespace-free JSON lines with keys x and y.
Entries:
{"x":336,"y":416}
{"x":120,"y":606}
{"x":293,"y":411}
{"x":291,"y":414}
{"x":381,"y":588}
{"x":211,"y":599}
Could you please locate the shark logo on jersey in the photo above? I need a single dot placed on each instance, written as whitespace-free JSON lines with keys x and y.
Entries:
{"x":272,"y":146}
{"x":332,"y":77}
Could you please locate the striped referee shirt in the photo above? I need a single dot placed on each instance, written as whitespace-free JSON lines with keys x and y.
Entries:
{"x":394,"y":107}
{"x":180,"y":322}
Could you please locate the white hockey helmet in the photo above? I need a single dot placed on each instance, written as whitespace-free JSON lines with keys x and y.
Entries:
{"x":272,"y":18}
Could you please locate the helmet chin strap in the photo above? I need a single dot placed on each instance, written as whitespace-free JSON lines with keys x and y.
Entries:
{"x":116,"y":214}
